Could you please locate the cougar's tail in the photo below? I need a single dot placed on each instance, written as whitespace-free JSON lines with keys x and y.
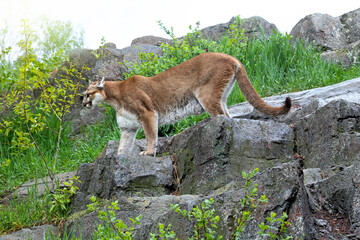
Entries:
{"x":253,"y":97}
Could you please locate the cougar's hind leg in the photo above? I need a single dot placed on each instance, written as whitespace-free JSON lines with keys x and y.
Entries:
{"x":214,"y":109}
{"x":150,"y":125}
{"x":226,"y":110}
{"x":213,"y":98}
{"x":227,"y":90}
{"x":211,"y":103}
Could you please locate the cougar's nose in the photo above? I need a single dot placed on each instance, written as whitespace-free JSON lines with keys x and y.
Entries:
{"x":84,"y":98}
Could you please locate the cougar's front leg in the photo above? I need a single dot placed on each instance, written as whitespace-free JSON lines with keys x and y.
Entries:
{"x":150,"y":125}
{"x":126,"y":141}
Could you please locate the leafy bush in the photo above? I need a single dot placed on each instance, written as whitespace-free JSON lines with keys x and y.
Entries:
{"x":26,"y":116}
{"x":33,"y":107}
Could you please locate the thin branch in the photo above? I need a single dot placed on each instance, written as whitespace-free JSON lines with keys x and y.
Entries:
{"x":58,"y":145}
{"x":51,"y":174}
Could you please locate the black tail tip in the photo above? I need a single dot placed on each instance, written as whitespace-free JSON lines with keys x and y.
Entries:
{"x":288,"y":103}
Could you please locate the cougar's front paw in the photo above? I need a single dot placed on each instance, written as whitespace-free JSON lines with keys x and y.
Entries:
{"x":147,"y":153}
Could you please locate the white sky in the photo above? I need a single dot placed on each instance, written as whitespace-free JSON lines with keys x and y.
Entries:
{"x":121,"y":21}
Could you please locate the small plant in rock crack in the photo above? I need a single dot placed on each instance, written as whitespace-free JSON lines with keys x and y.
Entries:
{"x":203,"y":218}
{"x":113,"y":228}
{"x":164,"y":233}
{"x":248,"y":204}
{"x":61,"y":199}
{"x":277,"y":228}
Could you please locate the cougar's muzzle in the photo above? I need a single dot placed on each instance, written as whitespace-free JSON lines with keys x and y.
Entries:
{"x":86,"y":100}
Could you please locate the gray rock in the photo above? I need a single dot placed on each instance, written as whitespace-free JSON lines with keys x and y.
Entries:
{"x":131,"y":54}
{"x":115,"y":176}
{"x":83,"y":59}
{"x":151,"y":40}
{"x":108,"y":64}
{"x":215,"y":32}
{"x":254,"y":28}
{"x":330,"y":136}
{"x":41,"y":186}
{"x":156,"y":209}
{"x":338,"y":36}
{"x":347,"y":90}
{"x":322,"y":29}
{"x":312,"y":175}
{"x":82,"y":117}
{"x":257,"y":27}
{"x":351,"y":25}
{"x":339,"y":194}
{"x":345,"y":57}
{"x":110,"y":45}
{"x":37,"y":232}
{"x":340,"y":57}
{"x":227,"y":148}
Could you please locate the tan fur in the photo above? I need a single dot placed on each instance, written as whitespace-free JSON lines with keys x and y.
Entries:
{"x":201,"y":83}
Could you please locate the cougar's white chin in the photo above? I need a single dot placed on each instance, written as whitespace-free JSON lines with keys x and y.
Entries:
{"x":98,"y":98}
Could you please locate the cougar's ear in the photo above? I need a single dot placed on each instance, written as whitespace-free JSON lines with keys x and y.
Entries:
{"x":101,"y":84}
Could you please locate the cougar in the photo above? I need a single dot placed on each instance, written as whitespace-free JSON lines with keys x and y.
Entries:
{"x":200,"y":84}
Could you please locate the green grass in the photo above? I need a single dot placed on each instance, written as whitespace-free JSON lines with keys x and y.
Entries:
{"x":21,"y":213}
{"x":280,"y":64}
{"x":27,"y":165}
{"x":275,"y":65}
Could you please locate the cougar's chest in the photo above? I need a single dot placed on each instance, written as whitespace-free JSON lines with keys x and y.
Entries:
{"x":127,"y":120}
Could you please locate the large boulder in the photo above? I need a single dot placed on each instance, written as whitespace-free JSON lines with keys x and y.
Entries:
{"x":108,"y":63}
{"x":322,"y":29}
{"x":338,"y":36}
{"x":227,"y":148}
{"x":131,"y":54}
{"x":257,"y":27}
{"x":254,"y":27}
{"x":83,"y":60}
{"x":345,"y":57}
{"x":152,"y":209}
{"x":152,"y":40}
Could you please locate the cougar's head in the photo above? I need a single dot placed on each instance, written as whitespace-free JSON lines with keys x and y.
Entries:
{"x":93,"y":94}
